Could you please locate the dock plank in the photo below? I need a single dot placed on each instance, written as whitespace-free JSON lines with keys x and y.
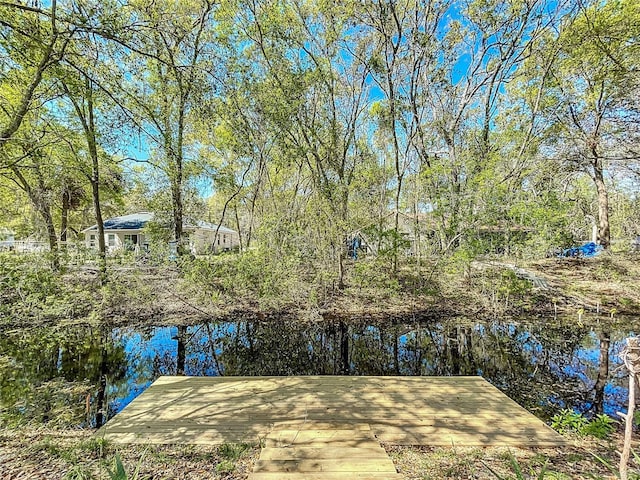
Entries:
{"x":401,"y":410}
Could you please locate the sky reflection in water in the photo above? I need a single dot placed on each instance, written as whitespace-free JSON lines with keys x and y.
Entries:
{"x":542,"y":365}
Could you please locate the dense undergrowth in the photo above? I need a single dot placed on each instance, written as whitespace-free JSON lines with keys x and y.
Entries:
{"x":257,"y":283}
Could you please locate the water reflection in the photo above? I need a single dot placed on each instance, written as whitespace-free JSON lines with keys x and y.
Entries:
{"x":84,"y":375}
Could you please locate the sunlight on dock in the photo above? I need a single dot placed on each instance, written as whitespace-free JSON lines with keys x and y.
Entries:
{"x":397,"y":410}
{"x":327,"y":427}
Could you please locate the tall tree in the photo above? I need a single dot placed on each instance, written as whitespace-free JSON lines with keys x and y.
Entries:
{"x":168,"y":81}
{"x":593,"y":122}
{"x":32,"y":40}
{"x":479,"y":51}
{"x":36,"y":168}
{"x":317,"y":72}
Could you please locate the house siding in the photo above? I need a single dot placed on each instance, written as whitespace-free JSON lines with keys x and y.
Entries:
{"x":115,"y":240}
{"x":204,"y":240}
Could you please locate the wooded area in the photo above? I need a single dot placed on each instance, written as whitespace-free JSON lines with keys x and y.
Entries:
{"x":427,"y":127}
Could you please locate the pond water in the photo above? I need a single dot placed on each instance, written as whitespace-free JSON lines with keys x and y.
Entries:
{"x":81,"y":376}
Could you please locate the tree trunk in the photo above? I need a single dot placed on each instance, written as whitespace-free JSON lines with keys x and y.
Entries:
{"x":396,"y":223}
{"x":51,"y":233}
{"x":87,"y":119}
{"x":603,"y":372}
{"x":182,"y":350}
{"x":604,"y":231}
{"x":344,"y":348}
{"x":178,"y":204}
{"x":101,"y":405}
{"x":64,"y":222}
{"x":396,"y":351}
{"x":90,"y":135}
{"x":340,"y":264}
{"x":342,"y":236}
{"x":27,"y":96}
{"x":39,"y":200}
{"x":240,"y":241}
{"x":176,"y":197}
{"x":454,"y":349}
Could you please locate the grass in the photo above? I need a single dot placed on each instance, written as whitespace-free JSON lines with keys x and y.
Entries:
{"x":76,"y":455}
{"x":44,"y":453}
{"x":491,"y":463}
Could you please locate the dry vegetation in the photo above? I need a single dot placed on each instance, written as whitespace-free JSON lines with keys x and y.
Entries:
{"x":610,"y":283}
{"x":75,"y":454}
{"x":42,"y":453}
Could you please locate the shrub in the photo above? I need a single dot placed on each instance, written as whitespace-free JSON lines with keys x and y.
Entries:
{"x":601,"y":426}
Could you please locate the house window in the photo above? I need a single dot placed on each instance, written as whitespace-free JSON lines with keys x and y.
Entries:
{"x":130,"y":242}
{"x":131,"y":239}
{"x":111,"y":239}
{"x":224,"y":239}
{"x":92,"y":240}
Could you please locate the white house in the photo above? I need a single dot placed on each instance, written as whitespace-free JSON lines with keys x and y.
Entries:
{"x":120,"y":232}
{"x":126,"y":233}
{"x":203,"y":239}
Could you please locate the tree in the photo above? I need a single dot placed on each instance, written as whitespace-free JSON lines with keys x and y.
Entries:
{"x":82,"y":100}
{"x":168,"y":81}
{"x":313,"y":81}
{"x":481,"y":51}
{"x":35,"y":168}
{"x":31,"y":38}
{"x":403,"y":50}
{"x":593,"y":119}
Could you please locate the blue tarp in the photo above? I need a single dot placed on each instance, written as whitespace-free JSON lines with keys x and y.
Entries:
{"x":587,"y":250}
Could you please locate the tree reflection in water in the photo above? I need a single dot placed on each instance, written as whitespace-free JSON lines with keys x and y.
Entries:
{"x":53,"y":374}
{"x":59,"y":375}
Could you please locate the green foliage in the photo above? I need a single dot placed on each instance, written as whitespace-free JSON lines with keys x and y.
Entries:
{"x":225,"y":466}
{"x":608,"y":270}
{"x":120,"y":473}
{"x":31,"y":290}
{"x":517,"y":470}
{"x":26,"y":283}
{"x":96,"y":445}
{"x":374,"y":272}
{"x":460,"y":261}
{"x":633,"y":474}
{"x":568,"y":421}
{"x":233,"y":451}
{"x":251,"y":275}
{"x":123,"y":287}
{"x":47,"y":374}
{"x":601,"y":426}
{"x":230,"y":453}
{"x":636,"y":418}
{"x":78,"y":472}
{"x":510,"y":285}
{"x":74,"y":454}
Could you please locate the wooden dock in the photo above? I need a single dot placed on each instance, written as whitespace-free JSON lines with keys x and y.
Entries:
{"x":328,"y":451}
{"x":327,"y":425}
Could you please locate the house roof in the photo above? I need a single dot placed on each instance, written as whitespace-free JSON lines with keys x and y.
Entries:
{"x":211,"y":226}
{"x":136,"y":221}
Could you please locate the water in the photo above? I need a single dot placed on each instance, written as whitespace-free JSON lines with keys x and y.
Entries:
{"x":81,"y":376}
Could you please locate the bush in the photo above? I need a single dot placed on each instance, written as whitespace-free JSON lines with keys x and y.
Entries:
{"x":251,"y":275}
{"x":567,"y":421}
{"x":28,"y":287}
